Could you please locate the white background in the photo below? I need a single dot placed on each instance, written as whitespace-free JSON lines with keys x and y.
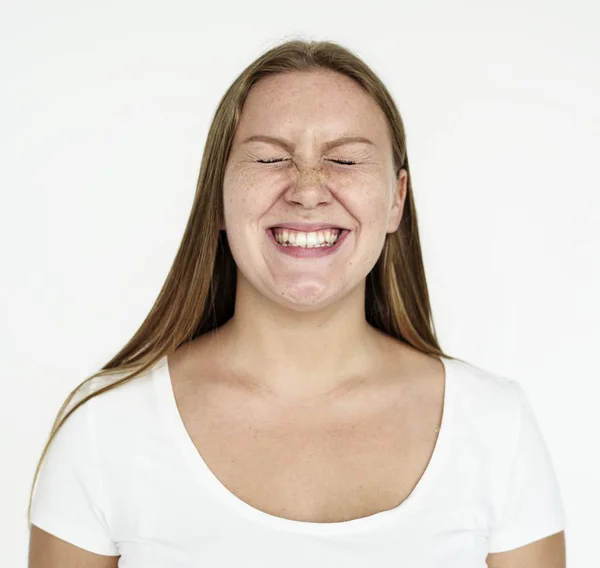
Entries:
{"x":104,"y":110}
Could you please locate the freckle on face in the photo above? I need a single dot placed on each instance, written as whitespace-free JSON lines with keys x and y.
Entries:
{"x":308,"y":109}
{"x":311,"y":108}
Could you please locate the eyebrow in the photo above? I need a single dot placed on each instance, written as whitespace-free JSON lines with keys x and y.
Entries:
{"x":287,"y":145}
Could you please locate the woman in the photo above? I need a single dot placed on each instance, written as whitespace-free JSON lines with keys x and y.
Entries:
{"x":286,"y":402}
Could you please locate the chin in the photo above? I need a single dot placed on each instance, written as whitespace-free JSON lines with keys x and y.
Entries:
{"x":307,"y":298}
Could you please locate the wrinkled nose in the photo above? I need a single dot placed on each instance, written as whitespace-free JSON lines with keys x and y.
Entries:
{"x":309,"y":186}
{"x":310,"y":174}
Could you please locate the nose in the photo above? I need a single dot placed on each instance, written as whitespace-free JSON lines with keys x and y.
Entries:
{"x":308,"y":186}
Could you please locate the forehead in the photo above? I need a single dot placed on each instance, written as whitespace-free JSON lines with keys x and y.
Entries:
{"x":320,"y":102}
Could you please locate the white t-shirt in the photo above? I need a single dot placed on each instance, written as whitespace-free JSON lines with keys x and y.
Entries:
{"x":123,"y":477}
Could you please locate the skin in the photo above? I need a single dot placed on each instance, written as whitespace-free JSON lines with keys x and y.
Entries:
{"x":311,"y":309}
{"x":299,"y":332}
{"x":549,"y":552}
{"x":49,"y":551}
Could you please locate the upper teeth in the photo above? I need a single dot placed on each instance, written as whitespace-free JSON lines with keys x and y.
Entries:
{"x":298,"y":238}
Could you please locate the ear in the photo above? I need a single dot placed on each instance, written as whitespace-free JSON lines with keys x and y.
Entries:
{"x":398,"y":199}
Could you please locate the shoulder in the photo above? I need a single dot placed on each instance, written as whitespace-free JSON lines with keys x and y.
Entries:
{"x":482,"y":389}
{"x":487,"y":408}
{"x":123,"y":403}
{"x":474,"y":389}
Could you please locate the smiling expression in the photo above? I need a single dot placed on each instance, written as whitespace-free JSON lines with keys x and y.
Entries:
{"x":310,"y":147}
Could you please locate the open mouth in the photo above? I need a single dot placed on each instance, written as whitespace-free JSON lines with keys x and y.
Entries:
{"x":326,"y":238}
{"x":306,"y":245}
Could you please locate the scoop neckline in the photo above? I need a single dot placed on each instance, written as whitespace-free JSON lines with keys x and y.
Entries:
{"x":199,"y":470}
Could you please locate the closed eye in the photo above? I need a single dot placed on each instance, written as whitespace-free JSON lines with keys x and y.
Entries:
{"x":270,"y":161}
{"x":275,"y":160}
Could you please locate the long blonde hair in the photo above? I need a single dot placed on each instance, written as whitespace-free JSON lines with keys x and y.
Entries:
{"x":199,"y":292}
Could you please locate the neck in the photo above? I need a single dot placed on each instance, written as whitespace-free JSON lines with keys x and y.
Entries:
{"x":301,"y":354}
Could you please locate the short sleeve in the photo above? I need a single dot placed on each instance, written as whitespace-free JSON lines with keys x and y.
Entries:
{"x":532,"y":506}
{"x":68,"y":500}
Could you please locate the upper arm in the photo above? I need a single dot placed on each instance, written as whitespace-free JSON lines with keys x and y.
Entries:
{"x":547,"y":552}
{"x":69,"y":501}
{"x":49,"y":551}
{"x":529,"y":506}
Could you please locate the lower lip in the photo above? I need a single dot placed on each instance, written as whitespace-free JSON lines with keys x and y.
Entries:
{"x":301,"y":252}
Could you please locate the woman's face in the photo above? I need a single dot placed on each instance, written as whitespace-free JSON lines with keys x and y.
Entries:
{"x":305,"y":182}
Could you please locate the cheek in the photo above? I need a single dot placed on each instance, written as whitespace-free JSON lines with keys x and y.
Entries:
{"x":244,"y":197}
{"x":249,"y":193}
{"x":369,"y":206}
